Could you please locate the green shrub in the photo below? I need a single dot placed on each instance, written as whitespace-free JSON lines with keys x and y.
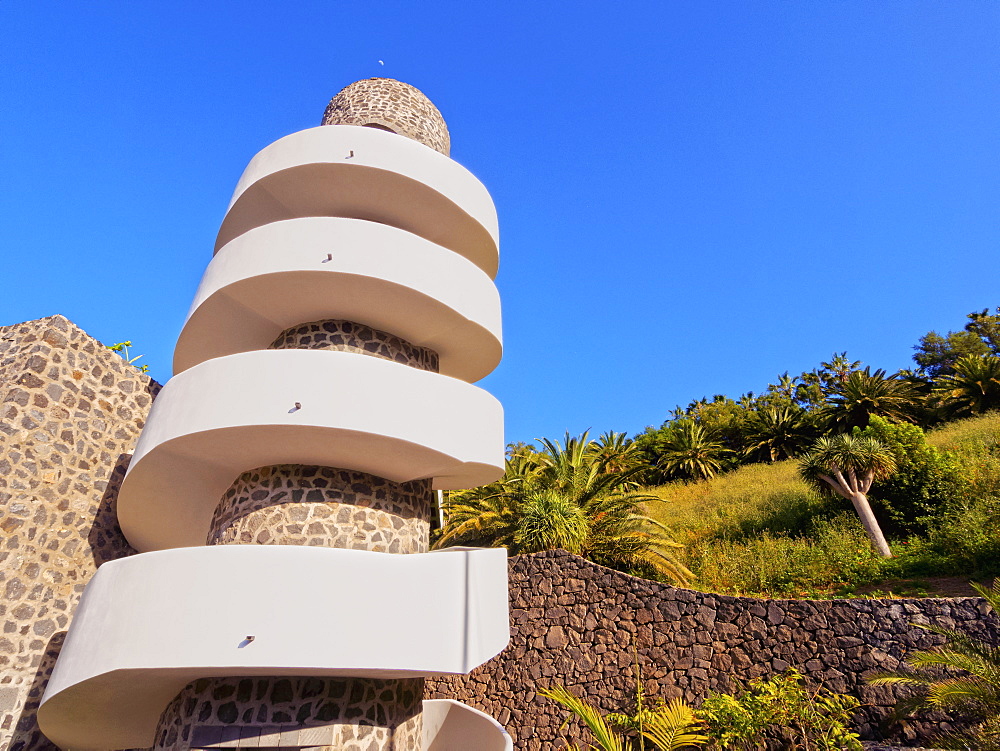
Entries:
{"x":781,"y":709}
{"x":925,"y":482}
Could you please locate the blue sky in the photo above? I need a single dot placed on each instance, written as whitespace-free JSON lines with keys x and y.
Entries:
{"x":693,"y":196}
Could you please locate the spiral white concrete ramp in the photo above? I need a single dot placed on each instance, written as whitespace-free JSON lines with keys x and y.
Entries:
{"x":338,"y":409}
{"x":150,"y":624}
{"x":388,"y":247}
{"x":371,"y":273}
{"x":364,"y":173}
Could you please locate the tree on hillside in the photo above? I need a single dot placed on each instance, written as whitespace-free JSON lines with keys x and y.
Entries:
{"x":564,"y":497}
{"x":847,"y":466}
{"x":973,"y":386}
{"x":936,"y":354}
{"x":852,"y":402}
{"x":687,"y":451}
{"x":776,"y":433}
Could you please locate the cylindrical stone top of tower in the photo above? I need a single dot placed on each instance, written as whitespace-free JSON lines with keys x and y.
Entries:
{"x":390,"y":105}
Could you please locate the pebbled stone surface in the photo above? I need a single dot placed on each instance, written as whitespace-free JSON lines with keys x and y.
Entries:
{"x":390,"y":105}
{"x":293,"y":504}
{"x":343,"y":714}
{"x":70,"y":413}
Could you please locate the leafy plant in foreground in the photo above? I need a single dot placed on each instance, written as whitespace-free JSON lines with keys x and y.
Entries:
{"x":783,"y":710}
{"x":122,"y":348}
{"x":970,"y":684}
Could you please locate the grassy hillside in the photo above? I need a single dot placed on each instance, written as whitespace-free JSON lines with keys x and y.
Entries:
{"x":762,"y":530}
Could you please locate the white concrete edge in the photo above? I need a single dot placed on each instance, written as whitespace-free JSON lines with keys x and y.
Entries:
{"x":301,"y":270}
{"x":231,"y":414}
{"x":450,"y":725}
{"x":405,"y":184}
{"x":149,"y":624}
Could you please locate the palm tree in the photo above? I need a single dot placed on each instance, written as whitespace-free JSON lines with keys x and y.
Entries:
{"x":779,"y":432}
{"x":972,"y":388}
{"x":562,"y":497}
{"x":615,"y":452}
{"x":861,"y":394}
{"x":970,"y":684}
{"x":847,"y":466}
{"x":688,"y":452}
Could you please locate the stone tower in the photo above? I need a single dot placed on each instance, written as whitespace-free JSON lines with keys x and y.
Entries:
{"x":281,"y":492}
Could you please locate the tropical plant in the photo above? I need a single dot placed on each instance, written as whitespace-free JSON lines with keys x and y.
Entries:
{"x":972,"y":388}
{"x":926,"y":480}
{"x":961,"y":675}
{"x":615,"y":452}
{"x":781,"y":709}
{"x":564,"y":497}
{"x":861,"y":394}
{"x":847,"y":465}
{"x":687,"y":451}
{"x":775,"y":433}
{"x":668,"y":725}
{"x":122,"y":348}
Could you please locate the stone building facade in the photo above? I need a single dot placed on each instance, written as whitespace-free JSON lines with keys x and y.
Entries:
{"x":70,"y":413}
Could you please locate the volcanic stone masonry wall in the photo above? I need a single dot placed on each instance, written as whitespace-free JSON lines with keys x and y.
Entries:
{"x":70,"y":413}
{"x":575,"y":623}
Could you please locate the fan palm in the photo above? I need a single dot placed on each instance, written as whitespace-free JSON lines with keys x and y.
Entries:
{"x":970,"y":685}
{"x":861,"y":394}
{"x":972,"y":388}
{"x":562,"y":497}
{"x":848,"y":466}
{"x":687,"y":451}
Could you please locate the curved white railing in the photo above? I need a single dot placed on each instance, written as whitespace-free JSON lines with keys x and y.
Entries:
{"x":450,"y":725}
{"x":299,"y":270}
{"x":364,"y":173}
{"x":337,"y":409}
{"x":150,"y":624}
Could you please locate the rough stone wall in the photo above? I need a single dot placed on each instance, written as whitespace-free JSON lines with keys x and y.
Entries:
{"x":70,"y":413}
{"x":575,"y":623}
{"x":338,"y":714}
{"x":347,"y":336}
{"x":294,"y":504}
{"x":392,"y":105}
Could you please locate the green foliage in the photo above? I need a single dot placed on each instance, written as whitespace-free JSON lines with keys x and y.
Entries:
{"x":972,"y":388}
{"x":925,"y":481}
{"x":937,"y":354}
{"x":667,"y":725}
{"x":688,"y":451}
{"x":781,"y":709}
{"x":565,"y":496}
{"x":962,"y":675}
{"x":122,"y":348}
{"x":834,"y":556}
{"x":861,"y":394}
{"x":775,"y":433}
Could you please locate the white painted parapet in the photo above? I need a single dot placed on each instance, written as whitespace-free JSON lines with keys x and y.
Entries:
{"x":232,"y":414}
{"x":299,"y":270}
{"x":150,"y":624}
{"x":364,"y":173}
{"x":450,"y":725}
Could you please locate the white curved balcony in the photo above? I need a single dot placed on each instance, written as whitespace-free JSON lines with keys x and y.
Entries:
{"x":291,"y":272}
{"x":365,"y":173}
{"x":150,"y":624}
{"x":450,"y":725}
{"x":225,"y":416}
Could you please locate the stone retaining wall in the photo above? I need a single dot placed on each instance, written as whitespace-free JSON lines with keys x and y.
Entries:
{"x":580,"y":625}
